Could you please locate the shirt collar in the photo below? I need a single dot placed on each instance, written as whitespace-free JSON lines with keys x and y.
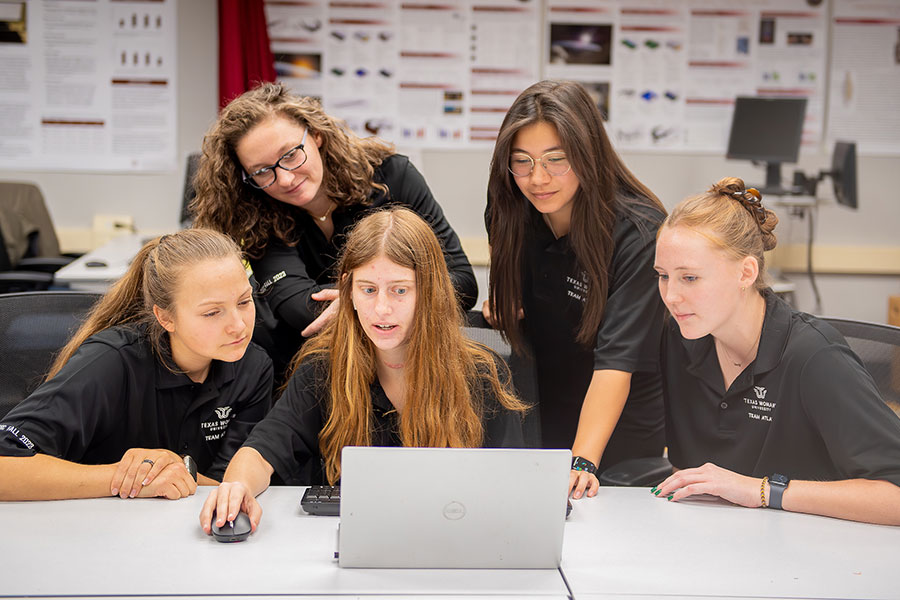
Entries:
{"x":702,"y":360}
{"x":219,"y":374}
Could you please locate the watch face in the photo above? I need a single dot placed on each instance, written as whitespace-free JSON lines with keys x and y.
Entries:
{"x":778,"y":479}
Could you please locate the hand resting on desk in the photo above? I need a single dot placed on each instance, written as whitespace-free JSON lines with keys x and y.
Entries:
{"x":713,"y":480}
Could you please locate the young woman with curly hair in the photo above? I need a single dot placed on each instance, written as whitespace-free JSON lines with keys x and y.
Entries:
{"x":287,"y":181}
{"x":393,"y":368}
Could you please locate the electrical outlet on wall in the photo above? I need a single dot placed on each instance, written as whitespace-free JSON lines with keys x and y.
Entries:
{"x":106,"y":227}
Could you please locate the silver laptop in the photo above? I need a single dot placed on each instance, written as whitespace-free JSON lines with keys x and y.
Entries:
{"x":488,"y":508}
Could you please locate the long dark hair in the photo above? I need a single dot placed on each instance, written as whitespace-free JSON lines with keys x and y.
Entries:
{"x":602,"y":177}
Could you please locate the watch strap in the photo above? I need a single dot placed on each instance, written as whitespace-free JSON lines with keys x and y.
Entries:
{"x":583,"y":464}
{"x":777,"y":485}
{"x":191,"y":465}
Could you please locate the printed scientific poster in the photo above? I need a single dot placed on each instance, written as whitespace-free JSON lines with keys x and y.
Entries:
{"x":865,"y":75}
{"x":433,"y":73}
{"x":88,"y":85}
{"x":297,"y":39}
{"x":503,"y":61}
{"x":650,"y":68}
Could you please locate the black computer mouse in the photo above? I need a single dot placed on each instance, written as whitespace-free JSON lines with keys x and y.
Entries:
{"x":232,"y":531}
{"x":568,"y":507}
{"x":95,"y":263}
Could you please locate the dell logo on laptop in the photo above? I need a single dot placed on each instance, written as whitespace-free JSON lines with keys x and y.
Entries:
{"x":454,"y":511}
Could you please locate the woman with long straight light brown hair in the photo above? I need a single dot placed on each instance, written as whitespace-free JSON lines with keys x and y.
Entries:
{"x":162,"y":369}
{"x":393,"y":368}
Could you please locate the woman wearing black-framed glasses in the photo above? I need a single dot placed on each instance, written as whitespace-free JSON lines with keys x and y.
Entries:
{"x":288,"y":181}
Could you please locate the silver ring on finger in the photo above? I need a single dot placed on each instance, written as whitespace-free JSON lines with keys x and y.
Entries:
{"x":147,"y":460}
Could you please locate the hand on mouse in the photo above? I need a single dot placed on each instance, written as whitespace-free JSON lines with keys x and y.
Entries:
{"x":173,"y":482}
{"x":138,"y":467}
{"x":227,"y":500}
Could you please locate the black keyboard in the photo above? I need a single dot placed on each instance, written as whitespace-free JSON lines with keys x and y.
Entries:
{"x":322,"y":500}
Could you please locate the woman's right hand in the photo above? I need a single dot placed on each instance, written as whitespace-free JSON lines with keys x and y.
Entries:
{"x":330,"y":312}
{"x":227,"y":500}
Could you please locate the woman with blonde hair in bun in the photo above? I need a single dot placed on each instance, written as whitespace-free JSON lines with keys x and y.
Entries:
{"x":765,"y":406}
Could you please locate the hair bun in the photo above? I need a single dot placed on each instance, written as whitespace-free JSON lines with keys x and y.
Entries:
{"x":728,"y":186}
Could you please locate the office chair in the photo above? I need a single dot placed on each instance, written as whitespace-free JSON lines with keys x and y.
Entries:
{"x":188,"y":194}
{"x":878,"y":346}
{"x":524,"y":379}
{"x":29,"y":243}
{"x":33,"y":327}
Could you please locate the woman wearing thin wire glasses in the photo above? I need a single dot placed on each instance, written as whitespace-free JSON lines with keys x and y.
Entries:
{"x":287,"y":181}
{"x":572,"y":233}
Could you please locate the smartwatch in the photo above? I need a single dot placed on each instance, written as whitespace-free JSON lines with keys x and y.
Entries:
{"x":191,"y":465}
{"x":777,"y":484}
{"x":583,"y":464}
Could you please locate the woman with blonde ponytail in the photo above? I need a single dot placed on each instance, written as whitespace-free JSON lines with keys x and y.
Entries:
{"x":765,"y":406}
{"x":393,"y":368}
{"x":156,"y":390}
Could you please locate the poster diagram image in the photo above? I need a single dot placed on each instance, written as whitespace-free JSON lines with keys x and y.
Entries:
{"x":13,"y":29}
{"x":580,"y":44}
{"x":298,"y":65}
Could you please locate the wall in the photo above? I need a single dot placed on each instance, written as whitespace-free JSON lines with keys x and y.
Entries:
{"x":459,"y":179}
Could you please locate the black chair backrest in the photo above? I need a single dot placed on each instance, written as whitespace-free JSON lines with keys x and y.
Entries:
{"x":878,"y":346}
{"x":188,"y":193}
{"x":33,"y":327}
{"x":524,"y":379}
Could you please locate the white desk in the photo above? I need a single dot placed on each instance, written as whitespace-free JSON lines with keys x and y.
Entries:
{"x":626,"y":542}
{"x":116,"y":254}
{"x":114,"y":547}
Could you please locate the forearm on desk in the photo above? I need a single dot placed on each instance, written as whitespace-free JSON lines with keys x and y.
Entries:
{"x":42,"y":477}
{"x":602,"y":407}
{"x":250,"y":468}
{"x":869,"y":501}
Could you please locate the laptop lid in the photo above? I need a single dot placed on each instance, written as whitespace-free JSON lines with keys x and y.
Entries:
{"x":489,"y":508}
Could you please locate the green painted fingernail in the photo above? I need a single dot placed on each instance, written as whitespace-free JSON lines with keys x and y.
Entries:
{"x":653,"y":490}
{"x":670,"y":496}
{"x":656,"y":493}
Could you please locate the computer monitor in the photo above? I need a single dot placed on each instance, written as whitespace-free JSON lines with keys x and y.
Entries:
{"x":843,"y":173}
{"x":768,"y":130}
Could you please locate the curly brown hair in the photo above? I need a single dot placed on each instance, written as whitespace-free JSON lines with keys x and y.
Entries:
{"x":225,"y":203}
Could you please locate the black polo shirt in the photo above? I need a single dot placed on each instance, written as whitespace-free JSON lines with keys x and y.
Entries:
{"x":288,"y":276}
{"x":114,"y":394}
{"x":555,"y":290}
{"x":288,"y":438}
{"x":806,"y":407}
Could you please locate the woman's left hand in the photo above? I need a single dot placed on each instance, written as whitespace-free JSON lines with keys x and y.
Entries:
{"x":138,"y":467}
{"x":713,"y":480}
{"x":581,"y":482}
{"x":326,"y":295}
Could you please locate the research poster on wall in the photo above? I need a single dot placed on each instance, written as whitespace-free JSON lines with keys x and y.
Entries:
{"x":865,"y":75}
{"x":664,"y":73}
{"x":88,"y":85}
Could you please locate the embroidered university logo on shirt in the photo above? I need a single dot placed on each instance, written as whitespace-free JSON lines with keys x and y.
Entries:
{"x":758,"y":408}
{"x":214,"y":430}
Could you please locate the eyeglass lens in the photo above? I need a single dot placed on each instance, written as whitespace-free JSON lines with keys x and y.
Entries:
{"x":555,"y":163}
{"x":293,"y":159}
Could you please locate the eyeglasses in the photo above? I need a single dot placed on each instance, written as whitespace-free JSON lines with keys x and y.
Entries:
{"x":556,"y":163}
{"x":751,"y":199}
{"x":289,"y":161}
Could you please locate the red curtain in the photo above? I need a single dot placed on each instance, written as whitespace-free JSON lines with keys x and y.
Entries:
{"x":245,"y":58}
